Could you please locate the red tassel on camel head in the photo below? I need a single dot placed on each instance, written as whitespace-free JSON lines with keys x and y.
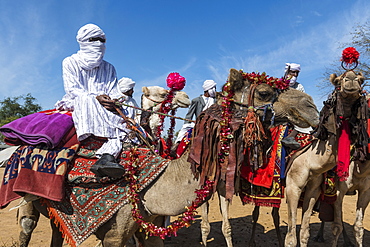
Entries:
{"x":350,"y":56}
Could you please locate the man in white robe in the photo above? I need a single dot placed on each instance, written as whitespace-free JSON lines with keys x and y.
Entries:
{"x":126,"y":86}
{"x":291,"y":73}
{"x":91,"y":85}
{"x":198,"y":105}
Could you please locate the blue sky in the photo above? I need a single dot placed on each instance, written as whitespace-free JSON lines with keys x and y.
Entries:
{"x":146,"y":40}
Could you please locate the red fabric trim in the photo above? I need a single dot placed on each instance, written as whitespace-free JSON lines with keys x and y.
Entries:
{"x":344,"y":149}
{"x":264,"y":175}
{"x":7,"y":195}
{"x":49,"y":186}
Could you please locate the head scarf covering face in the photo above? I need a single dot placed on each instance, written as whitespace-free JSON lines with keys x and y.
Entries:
{"x":90,"y":54}
{"x":125,"y":84}
{"x":292,"y":67}
{"x":210,"y":87}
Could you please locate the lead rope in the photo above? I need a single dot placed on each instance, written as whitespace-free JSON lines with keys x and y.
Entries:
{"x":131,"y":126}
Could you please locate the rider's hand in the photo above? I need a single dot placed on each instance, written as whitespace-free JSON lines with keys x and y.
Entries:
{"x":106,"y":102}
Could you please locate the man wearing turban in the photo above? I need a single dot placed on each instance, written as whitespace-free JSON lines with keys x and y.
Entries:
{"x":198,"y":105}
{"x":291,"y":73}
{"x":126,"y":86}
{"x":91,"y":85}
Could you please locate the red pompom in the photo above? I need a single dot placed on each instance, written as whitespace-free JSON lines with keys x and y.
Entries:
{"x":350,"y":55}
{"x":175,"y":81}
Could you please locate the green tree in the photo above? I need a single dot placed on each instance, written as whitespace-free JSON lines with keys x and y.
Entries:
{"x":12,"y":108}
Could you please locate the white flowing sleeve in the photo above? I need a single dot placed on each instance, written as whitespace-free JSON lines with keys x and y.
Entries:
{"x":73,"y":85}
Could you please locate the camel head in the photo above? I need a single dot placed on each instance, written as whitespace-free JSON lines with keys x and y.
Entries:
{"x":152,"y":98}
{"x":290,"y":105}
{"x":154,"y":95}
{"x":348,"y":85}
{"x":263,"y":95}
{"x":297,"y":108}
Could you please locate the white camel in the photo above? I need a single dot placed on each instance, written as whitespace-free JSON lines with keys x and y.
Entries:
{"x":320,"y":156}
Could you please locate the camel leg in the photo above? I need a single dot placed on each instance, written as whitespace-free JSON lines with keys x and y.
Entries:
{"x":312,"y":193}
{"x":226,"y":227}
{"x":150,"y":241}
{"x":119,"y":229}
{"x":337,"y":225}
{"x":255,"y":215}
{"x":205,"y":227}
{"x":276,"y":218}
{"x":28,"y":217}
{"x":293,"y":192}
{"x":57,"y":238}
{"x":320,"y":234}
{"x":346,"y":239}
{"x":362,"y":202}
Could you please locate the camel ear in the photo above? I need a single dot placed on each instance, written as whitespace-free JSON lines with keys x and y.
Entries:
{"x":334,"y":79}
{"x":360,"y":77}
{"x":236,"y":80}
{"x":145,"y":90}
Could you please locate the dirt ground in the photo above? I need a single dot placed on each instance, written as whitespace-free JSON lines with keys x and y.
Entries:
{"x":240,"y":218}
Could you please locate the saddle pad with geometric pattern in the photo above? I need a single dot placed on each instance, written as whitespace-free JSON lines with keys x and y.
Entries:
{"x":88,"y":206}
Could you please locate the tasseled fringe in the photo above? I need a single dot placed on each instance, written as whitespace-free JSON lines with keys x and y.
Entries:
{"x":53,"y":215}
{"x":260,"y":203}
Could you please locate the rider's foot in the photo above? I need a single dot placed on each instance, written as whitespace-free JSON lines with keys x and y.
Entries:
{"x":107,"y":166}
{"x":291,"y":143}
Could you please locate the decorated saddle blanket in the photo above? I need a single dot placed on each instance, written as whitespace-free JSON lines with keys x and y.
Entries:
{"x":263,"y":186}
{"x":37,"y":171}
{"x":89,"y":205}
{"x":45,"y":127}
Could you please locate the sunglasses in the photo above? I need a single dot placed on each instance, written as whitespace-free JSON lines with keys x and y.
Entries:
{"x":96,"y":39}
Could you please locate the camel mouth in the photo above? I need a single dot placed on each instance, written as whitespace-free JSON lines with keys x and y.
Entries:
{"x":183,"y":104}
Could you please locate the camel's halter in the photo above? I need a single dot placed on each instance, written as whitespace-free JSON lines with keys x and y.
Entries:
{"x":254,"y":134}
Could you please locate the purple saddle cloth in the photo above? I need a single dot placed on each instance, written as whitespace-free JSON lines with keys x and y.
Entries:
{"x":39,"y":128}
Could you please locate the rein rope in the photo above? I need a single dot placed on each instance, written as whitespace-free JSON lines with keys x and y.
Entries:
{"x":150,"y":111}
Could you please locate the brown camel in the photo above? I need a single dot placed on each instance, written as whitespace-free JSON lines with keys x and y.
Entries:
{"x":308,"y":166}
{"x":290,"y":106}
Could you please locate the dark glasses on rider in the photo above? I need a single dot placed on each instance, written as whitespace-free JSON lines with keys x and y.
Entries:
{"x":96,"y":39}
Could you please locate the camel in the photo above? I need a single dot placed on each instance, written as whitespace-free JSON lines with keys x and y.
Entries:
{"x":288,"y":103}
{"x":151,"y":99}
{"x":174,"y":189}
{"x":358,"y":179}
{"x":308,"y":165}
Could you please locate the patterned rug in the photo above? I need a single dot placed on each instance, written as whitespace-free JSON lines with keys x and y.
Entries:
{"x":89,"y":205}
{"x":36,"y":171}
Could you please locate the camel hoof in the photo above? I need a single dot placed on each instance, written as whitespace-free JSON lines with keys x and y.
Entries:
{"x":318,"y":239}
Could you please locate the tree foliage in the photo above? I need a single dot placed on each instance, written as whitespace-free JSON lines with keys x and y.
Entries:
{"x":12,"y":108}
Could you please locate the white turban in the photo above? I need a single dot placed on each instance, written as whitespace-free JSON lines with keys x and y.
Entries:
{"x":125,"y":84}
{"x":89,"y":31}
{"x":208,"y":84}
{"x":90,"y":54}
{"x":292,"y":66}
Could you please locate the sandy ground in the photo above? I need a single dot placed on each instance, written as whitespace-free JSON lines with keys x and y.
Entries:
{"x":240,"y":218}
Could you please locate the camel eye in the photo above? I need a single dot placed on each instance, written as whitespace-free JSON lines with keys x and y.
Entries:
{"x":264,"y":95}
